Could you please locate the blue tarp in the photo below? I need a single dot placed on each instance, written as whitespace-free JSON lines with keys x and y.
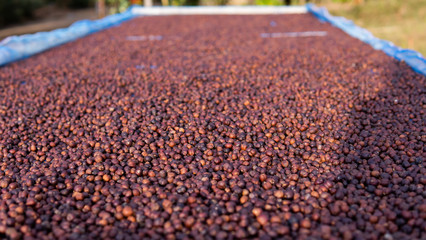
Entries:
{"x":411,"y":57}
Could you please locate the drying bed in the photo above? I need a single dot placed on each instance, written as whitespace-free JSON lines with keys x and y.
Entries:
{"x":213,"y":127}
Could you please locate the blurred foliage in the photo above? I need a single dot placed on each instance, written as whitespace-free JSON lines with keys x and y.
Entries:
{"x":269,"y":2}
{"x":402,"y":22}
{"x":117,"y":5}
{"x":191,"y":2}
{"x":14,"y":11}
{"x":18,"y":11}
{"x":80,"y":3}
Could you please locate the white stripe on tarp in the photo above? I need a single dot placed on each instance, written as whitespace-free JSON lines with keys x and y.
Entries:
{"x":144,"y":38}
{"x":218,"y":10}
{"x":294,"y":34}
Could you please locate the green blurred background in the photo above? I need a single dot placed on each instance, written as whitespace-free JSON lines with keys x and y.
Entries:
{"x":400,"y":21}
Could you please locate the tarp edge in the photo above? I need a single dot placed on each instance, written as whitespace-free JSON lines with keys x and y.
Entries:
{"x":414,"y":59}
{"x":218,"y":10}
